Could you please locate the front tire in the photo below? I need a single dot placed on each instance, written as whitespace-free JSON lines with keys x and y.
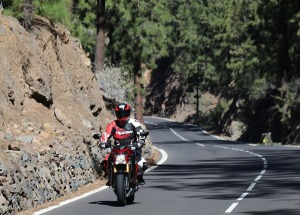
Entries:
{"x":120,"y":189}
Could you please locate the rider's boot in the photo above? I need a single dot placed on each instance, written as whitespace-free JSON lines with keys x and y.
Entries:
{"x":143,"y":166}
{"x":141,"y":179}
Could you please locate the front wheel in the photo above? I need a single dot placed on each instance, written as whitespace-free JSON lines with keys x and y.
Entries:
{"x":120,"y":189}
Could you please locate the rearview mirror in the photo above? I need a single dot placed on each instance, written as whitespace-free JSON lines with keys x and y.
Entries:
{"x":144,"y":133}
{"x":97,"y":136}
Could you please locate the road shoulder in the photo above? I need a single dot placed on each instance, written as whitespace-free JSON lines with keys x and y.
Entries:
{"x":152,"y":161}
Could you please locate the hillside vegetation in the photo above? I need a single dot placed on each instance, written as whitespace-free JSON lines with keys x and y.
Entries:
{"x":231,"y":66}
{"x":245,"y":54}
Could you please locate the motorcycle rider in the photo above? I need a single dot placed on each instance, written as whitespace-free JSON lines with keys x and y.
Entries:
{"x":125,"y":130}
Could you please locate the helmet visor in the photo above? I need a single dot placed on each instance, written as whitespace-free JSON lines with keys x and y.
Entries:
{"x":122,"y":113}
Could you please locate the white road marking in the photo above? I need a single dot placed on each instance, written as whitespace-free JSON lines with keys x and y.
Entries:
{"x":242,"y":196}
{"x":156,"y":117}
{"x":151,"y":123}
{"x":164,"y":157}
{"x":250,"y":188}
{"x":258,"y":178}
{"x":174,"y":132}
{"x":160,"y":162}
{"x":179,"y":136}
{"x":205,"y":132}
{"x":69,"y":201}
{"x":230,"y":209}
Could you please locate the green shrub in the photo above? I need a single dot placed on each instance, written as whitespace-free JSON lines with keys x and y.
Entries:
{"x":13,"y":8}
{"x":289,"y":94}
{"x":55,"y":10}
{"x":215,"y":115}
{"x":259,"y":89}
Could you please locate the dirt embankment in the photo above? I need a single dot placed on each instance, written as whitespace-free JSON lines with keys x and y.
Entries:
{"x":50,"y":105}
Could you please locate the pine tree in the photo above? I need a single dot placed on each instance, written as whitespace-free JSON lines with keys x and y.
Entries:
{"x":139,"y":36}
{"x":100,"y":44}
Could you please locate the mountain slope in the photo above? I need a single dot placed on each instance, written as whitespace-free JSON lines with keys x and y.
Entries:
{"x":50,"y":105}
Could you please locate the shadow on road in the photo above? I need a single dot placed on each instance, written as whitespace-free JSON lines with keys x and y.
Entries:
{"x":275,"y":212}
{"x":107,"y":203}
{"x":223,"y":177}
{"x":180,"y":127}
{"x":209,"y":178}
{"x":110,"y":203}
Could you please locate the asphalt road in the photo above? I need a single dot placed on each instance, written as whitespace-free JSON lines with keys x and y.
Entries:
{"x":203,"y":175}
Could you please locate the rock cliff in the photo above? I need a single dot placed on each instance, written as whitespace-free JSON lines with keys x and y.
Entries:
{"x":50,"y":105}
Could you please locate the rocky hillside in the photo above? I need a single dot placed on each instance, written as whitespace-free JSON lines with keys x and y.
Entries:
{"x":50,"y":107}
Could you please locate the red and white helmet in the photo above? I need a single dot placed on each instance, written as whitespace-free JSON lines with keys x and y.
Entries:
{"x":122,"y":111}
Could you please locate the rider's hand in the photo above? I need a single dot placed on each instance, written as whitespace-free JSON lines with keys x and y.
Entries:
{"x":140,"y":143}
{"x":102,"y":145}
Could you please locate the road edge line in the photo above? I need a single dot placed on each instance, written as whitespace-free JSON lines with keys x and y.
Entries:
{"x":164,"y":157}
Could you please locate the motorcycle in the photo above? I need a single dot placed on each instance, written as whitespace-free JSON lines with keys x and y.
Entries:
{"x":122,"y":169}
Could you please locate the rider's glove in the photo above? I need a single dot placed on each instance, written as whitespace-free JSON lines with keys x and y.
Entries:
{"x":102,"y":145}
{"x":140,"y":143}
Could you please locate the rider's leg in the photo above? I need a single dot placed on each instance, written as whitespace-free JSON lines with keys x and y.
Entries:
{"x":142,"y":168}
{"x":143,"y":164}
{"x":109,"y":172}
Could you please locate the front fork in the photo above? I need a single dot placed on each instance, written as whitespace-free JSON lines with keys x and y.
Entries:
{"x":113,"y":171}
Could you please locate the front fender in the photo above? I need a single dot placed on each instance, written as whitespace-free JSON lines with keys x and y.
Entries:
{"x":121,"y":168}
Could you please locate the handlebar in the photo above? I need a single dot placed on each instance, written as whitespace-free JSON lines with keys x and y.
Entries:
{"x":142,"y":137}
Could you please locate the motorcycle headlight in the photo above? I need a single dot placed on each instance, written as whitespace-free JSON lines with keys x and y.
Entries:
{"x":120,"y":159}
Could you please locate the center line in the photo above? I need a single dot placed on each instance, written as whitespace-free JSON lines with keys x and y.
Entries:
{"x":250,"y":188}
{"x":179,"y":136}
{"x":242,"y":196}
{"x":230,"y":209}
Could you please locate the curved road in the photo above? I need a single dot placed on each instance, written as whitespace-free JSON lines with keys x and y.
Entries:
{"x":208,"y":176}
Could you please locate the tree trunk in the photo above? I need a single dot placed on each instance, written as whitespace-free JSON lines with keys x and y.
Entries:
{"x":138,"y":91}
{"x":197,"y":97}
{"x":283,"y":52}
{"x":27,"y":14}
{"x":100,"y":45}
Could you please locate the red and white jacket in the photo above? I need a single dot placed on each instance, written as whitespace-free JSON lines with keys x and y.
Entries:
{"x":122,"y":134}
